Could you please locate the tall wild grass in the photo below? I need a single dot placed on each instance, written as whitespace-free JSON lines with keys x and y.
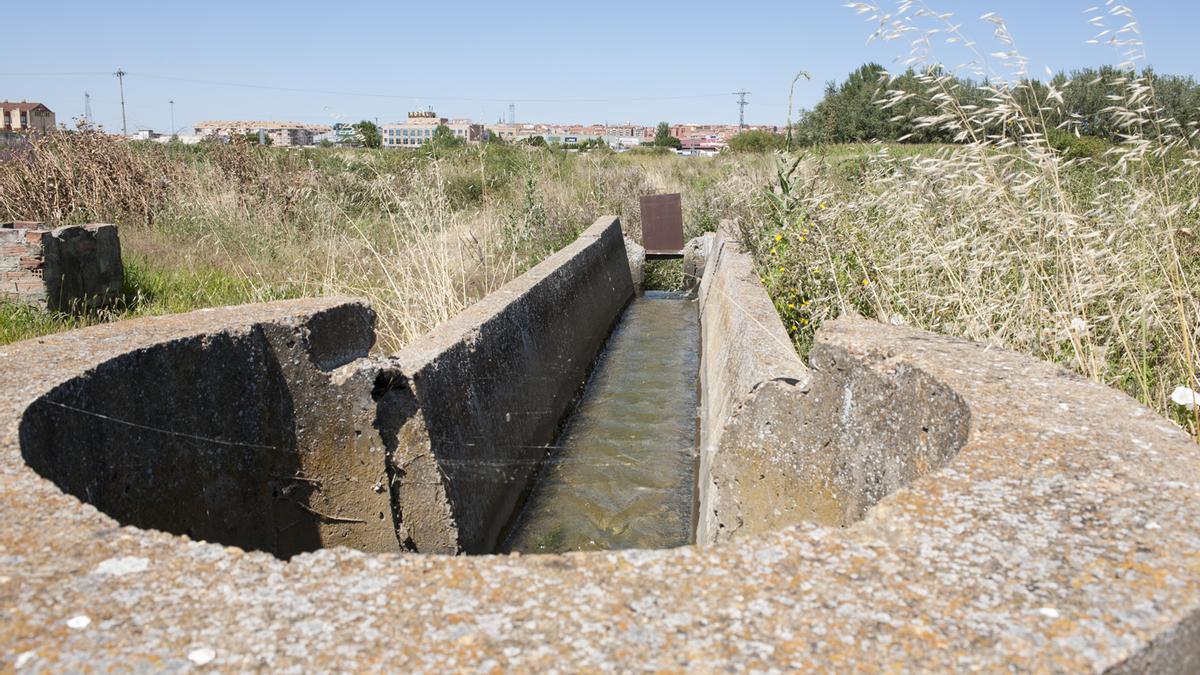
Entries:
{"x":421,"y":235}
{"x":1089,"y":259}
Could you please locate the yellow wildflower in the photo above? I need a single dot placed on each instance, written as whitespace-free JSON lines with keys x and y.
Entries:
{"x":866,"y":282}
{"x":773,"y":251}
{"x":778,"y":237}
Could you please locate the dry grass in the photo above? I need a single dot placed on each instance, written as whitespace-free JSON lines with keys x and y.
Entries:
{"x":1089,"y":262}
{"x":421,"y":237}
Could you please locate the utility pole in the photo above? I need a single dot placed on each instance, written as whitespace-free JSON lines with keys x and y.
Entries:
{"x":87,"y":109}
{"x":741,"y":108}
{"x":121,"y":83}
{"x":172,"y":102}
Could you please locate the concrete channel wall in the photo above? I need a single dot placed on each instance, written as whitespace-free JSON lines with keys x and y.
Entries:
{"x":782,"y":443}
{"x":492,"y":387}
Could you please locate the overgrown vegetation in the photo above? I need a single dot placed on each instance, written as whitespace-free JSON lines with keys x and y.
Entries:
{"x":422,"y":234}
{"x":1061,"y":219}
{"x":756,"y":140}
{"x":875,"y":105}
{"x":1022,"y":235}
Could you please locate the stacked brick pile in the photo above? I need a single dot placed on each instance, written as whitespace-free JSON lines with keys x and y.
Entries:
{"x":21,"y":262}
{"x":69,"y":268}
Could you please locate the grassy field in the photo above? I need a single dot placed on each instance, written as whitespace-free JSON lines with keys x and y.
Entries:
{"x":1089,"y":261}
{"x":420,"y":235}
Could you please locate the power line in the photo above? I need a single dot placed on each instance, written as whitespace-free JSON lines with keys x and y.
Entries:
{"x":58,"y":74}
{"x":121,"y":74}
{"x":331,"y":92}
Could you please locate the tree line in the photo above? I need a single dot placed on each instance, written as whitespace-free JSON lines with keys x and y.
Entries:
{"x":1081,"y":101}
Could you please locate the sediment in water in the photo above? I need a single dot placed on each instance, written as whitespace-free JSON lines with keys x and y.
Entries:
{"x":623,"y":472}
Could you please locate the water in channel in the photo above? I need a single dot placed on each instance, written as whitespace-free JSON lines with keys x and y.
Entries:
{"x":623,"y":475}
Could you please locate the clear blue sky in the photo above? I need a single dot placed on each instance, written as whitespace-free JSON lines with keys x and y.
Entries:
{"x":504,"y":51}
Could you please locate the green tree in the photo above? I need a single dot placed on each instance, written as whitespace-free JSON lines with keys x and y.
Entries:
{"x":756,"y":140}
{"x":852,"y":111}
{"x":443,"y":140}
{"x":368,"y":134}
{"x":251,"y":137}
{"x":664,"y":139}
{"x":535,"y":141}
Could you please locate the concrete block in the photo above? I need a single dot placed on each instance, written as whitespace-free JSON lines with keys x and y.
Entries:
{"x":83,"y":267}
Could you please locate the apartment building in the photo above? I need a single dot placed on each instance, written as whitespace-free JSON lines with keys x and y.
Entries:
{"x":281,"y":133}
{"x":418,"y":130}
{"x":25,"y":116}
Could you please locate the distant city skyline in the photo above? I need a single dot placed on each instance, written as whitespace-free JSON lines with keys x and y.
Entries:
{"x":622,"y":63}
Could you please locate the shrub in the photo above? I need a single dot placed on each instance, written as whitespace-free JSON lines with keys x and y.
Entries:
{"x":756,"y":140}
{"x":1077,"y":147}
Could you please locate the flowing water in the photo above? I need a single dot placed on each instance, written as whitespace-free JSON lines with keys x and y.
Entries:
{"x":623,"y":475}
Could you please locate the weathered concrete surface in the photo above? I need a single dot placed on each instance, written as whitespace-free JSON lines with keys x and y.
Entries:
{"x":637,"y":263}
{"x":83,"y":266}
{"x":494,"y":385}
{"x":695,"y":256}
{"x":782,"y":444}
{"x":69,"y":268}
{"x":1063,"y":535}
{"x":259,"y":435}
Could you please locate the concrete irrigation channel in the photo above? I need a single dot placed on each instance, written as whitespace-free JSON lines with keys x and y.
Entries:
{"x":251,"y":487}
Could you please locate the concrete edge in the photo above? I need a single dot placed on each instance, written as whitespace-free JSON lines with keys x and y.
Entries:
{"x":495,"y":384}
{"x":1062,"y":536}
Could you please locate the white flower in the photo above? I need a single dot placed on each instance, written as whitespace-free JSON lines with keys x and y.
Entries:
{"x":1185,"y":397}
{"x":1079,"y":325}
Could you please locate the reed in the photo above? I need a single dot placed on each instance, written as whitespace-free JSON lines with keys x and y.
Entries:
{"x":1088,"y":260}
